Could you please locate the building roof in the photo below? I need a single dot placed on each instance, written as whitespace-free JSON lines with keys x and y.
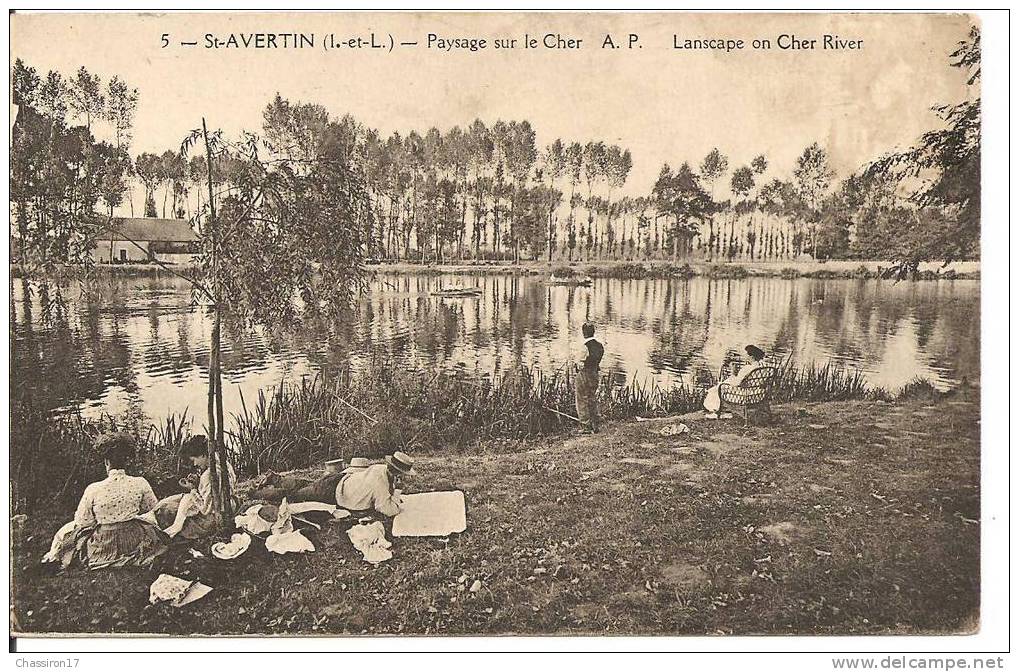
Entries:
{"x":149,"y":229}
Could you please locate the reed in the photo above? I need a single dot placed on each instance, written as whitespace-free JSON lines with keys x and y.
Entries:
{"x":53,"y":458}
{"x":828,"y":382}
{"x":380,"y":408}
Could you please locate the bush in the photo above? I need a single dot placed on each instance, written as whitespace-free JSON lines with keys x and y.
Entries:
{"x":727,"y":271}
{"x":685,"y":271}
{"x":563,"y":271}
{"x":53,"y":458}
{"x":919,"y":388}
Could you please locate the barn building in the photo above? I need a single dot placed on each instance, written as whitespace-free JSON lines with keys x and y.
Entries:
{"x":143,"y":239}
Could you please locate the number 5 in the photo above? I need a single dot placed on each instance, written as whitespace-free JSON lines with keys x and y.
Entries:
{"x":166,"y":40}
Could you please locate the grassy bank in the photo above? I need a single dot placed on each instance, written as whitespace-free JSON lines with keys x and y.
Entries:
{"x":850,"y":517}
{"x":382,"y":408}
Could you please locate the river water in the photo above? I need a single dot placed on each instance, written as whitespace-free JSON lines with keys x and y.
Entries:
{"x":143,"y":349}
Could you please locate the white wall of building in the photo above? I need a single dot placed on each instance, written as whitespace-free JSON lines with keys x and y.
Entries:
{"x":120,"y":251}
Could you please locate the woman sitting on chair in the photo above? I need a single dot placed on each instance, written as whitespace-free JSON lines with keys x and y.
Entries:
{"x":713,"y":400}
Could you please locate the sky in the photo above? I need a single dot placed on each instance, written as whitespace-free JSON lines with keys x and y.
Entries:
{"x":664,"y":104}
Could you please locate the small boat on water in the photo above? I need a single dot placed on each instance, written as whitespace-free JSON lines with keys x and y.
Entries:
{"x":575,"y":281}
{"x":457,"y":292}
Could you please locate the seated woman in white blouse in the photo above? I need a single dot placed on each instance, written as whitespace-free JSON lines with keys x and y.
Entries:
{"x":107,"y":530}
{"x":713,"y":398}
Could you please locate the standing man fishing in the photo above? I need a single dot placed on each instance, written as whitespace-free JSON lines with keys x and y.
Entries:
{"x":587,"y":381}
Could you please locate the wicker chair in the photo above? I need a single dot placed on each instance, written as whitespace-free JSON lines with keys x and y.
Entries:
{"x":753,"y":393}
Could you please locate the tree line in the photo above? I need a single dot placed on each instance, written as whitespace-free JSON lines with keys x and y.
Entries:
{"x":488,"y":191}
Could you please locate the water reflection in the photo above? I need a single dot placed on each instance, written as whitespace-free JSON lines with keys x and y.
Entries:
{"x":144,"y":348}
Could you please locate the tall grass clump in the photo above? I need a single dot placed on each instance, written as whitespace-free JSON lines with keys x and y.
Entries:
{"x":291,"y":425}
{"x":53,"y":457}
{"x":382,"y":407}
{"x":919,"y":388}
{"x":827,"y":382}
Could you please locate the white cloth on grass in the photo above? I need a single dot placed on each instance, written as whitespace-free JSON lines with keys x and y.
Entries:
{"x":250,"y":521}
{"x":283,"y":538}
{"x":371,"y":540}
{"x":176,"y":590}
{"x":431,"y":514}
{"x":289,"y":542}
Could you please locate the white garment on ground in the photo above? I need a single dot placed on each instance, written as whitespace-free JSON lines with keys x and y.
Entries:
{"x":674,"y":429}
{"x":304,"y":507}
{"x":371,"y":541}
{"x":283,"y":538}
{"x":251,"y":522}
{"x":289,"y":542}
{"x":283,"y":523}
{"x":176,"y":590}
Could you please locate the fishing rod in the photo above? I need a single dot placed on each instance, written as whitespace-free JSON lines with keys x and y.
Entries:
{"x":363,"y":414}
{"x":565,"y":415}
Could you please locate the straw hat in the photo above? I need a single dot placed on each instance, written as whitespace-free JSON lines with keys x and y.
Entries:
{"x":356,"y":464}
{"x":237,"y":545}
{"x":401,"y":462}
{"x":333,"y":466}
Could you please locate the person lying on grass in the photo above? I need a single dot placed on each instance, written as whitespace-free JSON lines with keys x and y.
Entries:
{"x":107,"y":530}
{"x":377,"y":487}
{"x":713,"y":399}
{"x":192,"y":514}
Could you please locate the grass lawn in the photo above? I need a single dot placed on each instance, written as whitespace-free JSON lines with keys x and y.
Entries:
{"x":836,"y":518}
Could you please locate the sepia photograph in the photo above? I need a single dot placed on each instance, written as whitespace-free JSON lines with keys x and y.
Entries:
{"x":330,"y":324}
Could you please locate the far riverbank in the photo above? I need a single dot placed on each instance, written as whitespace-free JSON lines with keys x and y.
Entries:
{"x":844,"y":269}
{"x":789,"y":269}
